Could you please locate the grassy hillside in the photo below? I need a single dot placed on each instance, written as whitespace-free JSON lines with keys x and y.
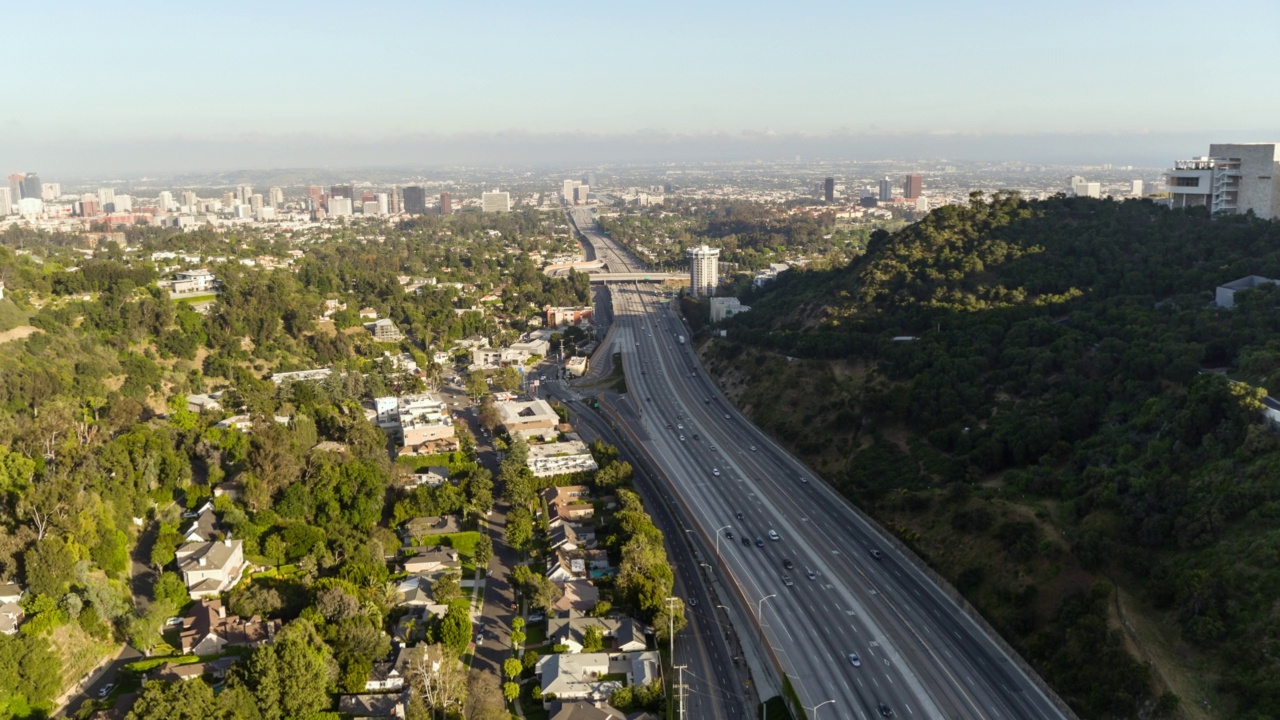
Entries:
{"x":1049,"y":439}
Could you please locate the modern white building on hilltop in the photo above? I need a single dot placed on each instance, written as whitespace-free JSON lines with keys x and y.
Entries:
{"x":723,"y":308}
{"x":1233,"y":178}
{"x":496,"y":201}
{"x":704,"y":270}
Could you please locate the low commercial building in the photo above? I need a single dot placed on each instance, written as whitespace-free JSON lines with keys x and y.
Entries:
{"x":532,"y":418}
{"x":560,"y":458}
{"x":576,"y":366}
{"x":561,"y":316}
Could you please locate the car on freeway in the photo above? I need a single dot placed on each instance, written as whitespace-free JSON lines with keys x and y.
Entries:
{"x":681,"y":426}
{"x":855,"y":660}
{"x":786,"y":580}
{"x":753,"y":448}
{"x":707,"y":401}
{"x":713,"y":448}
{"x":105,"y":690}
{"x":726,"y":416}
{"x":728,"y":534}
{"x":695,"y":436}
{"x":885,"y":710}
{"x":759,"y":542}
{"x":786,"y":563}
{"x":739,"y":516}
{"x":715,"y":471}
{"x":669,"y":426}
{"x":804,"y":480}
{"x":693,"y":602}
{"x":812,"y":575}
{"x":773,"y":535}
{"x":876,"y":554}
{"x":746,"y":541}
{"x":681,"y":438}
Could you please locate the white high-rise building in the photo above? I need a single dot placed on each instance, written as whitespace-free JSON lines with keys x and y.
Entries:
{"x":1135,"y":188}
{"x":704,"y":270}
{"x":243,"y":193}
{"x":106,"y":198}
{"x":1233,"y":178}
{"x":1083,"y":188}
{"x":123,"y":203}
{"x":165,"y":202}
{"x":190,"y":200}
{"x":255,"y":202}
{"x":570,"y":191}
{"x":276,"y":197}
{"x":339,"y":207}
{"x":6,"y":202}
{"x":384,"y":204}
{"x":370,"y":208}
{"x":495,"y":201}
{"x":50,"y":191}
{"x":30,"y":207}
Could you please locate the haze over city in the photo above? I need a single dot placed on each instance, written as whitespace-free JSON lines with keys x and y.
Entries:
{"x":154,"y":87}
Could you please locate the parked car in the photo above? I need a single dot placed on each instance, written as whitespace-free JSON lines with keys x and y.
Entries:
{"x":105,"y":690}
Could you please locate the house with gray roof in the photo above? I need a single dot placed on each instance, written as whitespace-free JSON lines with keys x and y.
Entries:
{"x":570,"y":628}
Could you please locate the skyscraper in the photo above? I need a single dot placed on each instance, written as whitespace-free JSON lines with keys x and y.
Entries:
{"x":342,"y":191}
{"x":243,"y":193}
{"x":15,"y":187}
{"x":165,"y":201}
{"x":567,"y":191}
{"x":190,"y":200}
{"x":496,"y":201}
{"x":446,"y":204}
{"x":415,"y":200}
{"x":886,"y":190}
{"x":580,"y":194}
{"x":107,"y":199}
{"x":829,"y":189}
{"x":339,"y":206}
{"x":6,"y":201}
{"x":276,"y":196}
{"x":704,"y":269}
{"x":1083,"y":188}
{"x":913,"y":186}
{"x":31,"y":187}
{"x":255,"y":203}
{"x":317,"y":196}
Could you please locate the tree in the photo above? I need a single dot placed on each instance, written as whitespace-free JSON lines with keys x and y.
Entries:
{"x":446,"y":589}
{"x":50,"y":567}
{"x":484,"y":697}
{"x":455,"y":628}
{"x":508,"y":379}
{"x":511,"y":668}
{"x":592,"y":639}
{"x":510,"y":691}
{"x":484,"y":551}
{"x":519,"y":531}
{"x":274,"y":550}
{"x":30,"y":673}
{"x":477,"y":384}
{"x":529,"y":659}
{"x":169,"y":587}
{"x":181,"y":700}
{"x":517,"y":633}
{"x":335,"y":604}
{"x":306,"y":670}
{"x":438,"y":678}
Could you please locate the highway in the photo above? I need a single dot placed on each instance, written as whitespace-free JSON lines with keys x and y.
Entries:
{"x":920,"y":655}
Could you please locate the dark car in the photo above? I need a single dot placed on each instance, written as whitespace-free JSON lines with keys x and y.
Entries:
{"x":885,"y":710}
{"x":759,"y":542}
{"x":786,"y":563}
{"x":876,"y":554}
{"x":746,"y":541}
{"x":728,"y":534}
{"x":739,"y":516}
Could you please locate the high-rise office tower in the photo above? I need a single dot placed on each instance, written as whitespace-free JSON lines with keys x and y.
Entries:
{"x":15,"y":187}
{"x":1233,"y":178}
{"x":165,"y":201}
{"x":255,"y":203}
{"x":190,"y":200}
{"x":913,"y":186}
{"x":446,"y":204}
{"x":395,"y":201}
{"x":1136,"y":188}
{"x":495,"y":201}
{"x":107,"y":199}
{"x":228,"y":200}
{"x":886,"y":190}
{"x":580,"y":194}
{"x":243,"y":193}
{"x":339,"y":206}
{"x":316,"y":194}
{"x":123,"y":203}
{"x":829,"y":189}
{"x":90,"y":206}
{"x":704,"y":269}
{"x":567,"y":192}
{"x":383,"y":204}
{"x":342,"y":191}
{"x":276,"y":197}
{"x":415,"y":200}
{"x":6,"y":201}
{"x":31,"y":187}
{"x":50,"y":191}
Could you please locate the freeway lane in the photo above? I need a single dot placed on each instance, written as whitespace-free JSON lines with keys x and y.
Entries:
{"x":713,"y":687}
{"x":921,"y":655}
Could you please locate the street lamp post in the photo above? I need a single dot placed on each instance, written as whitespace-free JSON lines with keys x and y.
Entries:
{"x":759,"y":605}
{"x":814,"y":709}
{"x":718,"y":531}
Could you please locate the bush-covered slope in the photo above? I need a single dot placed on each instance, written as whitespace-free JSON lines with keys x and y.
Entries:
{"x":1059,"y":362}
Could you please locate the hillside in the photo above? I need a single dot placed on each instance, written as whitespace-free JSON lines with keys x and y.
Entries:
{"x":1043,"y":431}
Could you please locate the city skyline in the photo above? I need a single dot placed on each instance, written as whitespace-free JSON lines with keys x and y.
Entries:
{"x":430,"y":84}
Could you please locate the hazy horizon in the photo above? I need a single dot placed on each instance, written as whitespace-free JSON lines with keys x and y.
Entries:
{"x":156,"y":87}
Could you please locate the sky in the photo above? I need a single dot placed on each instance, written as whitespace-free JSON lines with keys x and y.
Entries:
{"x":139,"y":86}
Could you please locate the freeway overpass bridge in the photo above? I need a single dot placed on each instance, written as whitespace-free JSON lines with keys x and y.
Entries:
{"x":656,"y":277}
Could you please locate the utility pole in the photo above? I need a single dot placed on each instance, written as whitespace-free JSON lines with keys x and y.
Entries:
{"x":680,"y":689}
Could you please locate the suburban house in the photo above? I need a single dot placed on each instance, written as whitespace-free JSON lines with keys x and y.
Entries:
{"x":566,"y":566}
{"x":583,"y":711}
{"x":383,"y":330}
{"x":203,"y":526}
{"x":421,"y":527}
{"x":314,"y":376}
{"x":529,"y":419}
{"x":11,"y":612}
{"x":199,"y":403}
{"x":1225,"y":295}
{"x":569,"y":536}
{"x":208,"y":568}
{"x":577,"y":677}
{"x":579,"y":595}
{"x":199,"y":280}
{"x":380,"y":706}
{"x":368,"y":313}
{"x":207,"y":629}
{"x":560,"y":458}
{"x":412,"y":625}
{"x":392,"y":673}
{"x":569,"y":502}
{"x":434,"y":476}
{"x":433,"y":560}
{"x":570,"y":628}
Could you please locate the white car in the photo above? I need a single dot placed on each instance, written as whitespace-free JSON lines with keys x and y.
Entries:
{"x":715,"y":471}
{"x":773,"y":535}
